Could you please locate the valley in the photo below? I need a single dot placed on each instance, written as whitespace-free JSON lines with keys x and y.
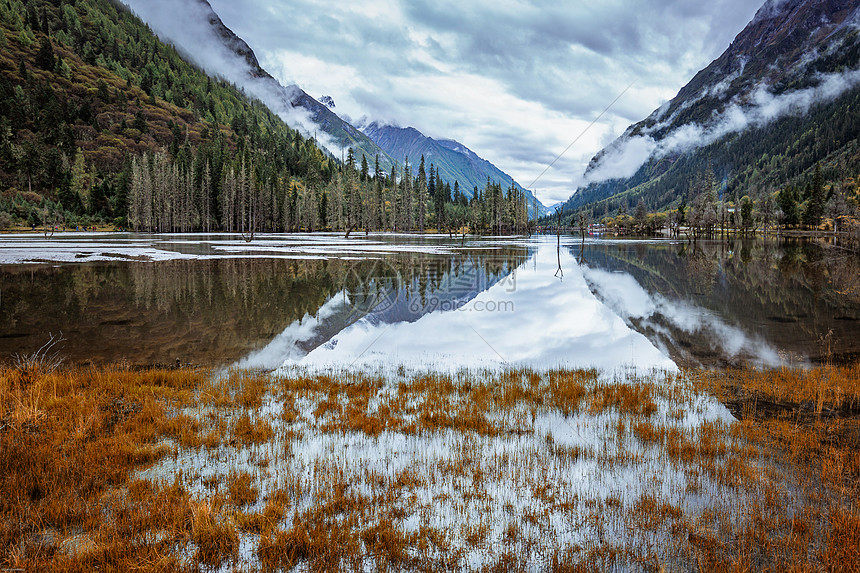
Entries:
{"x":247,"y":329}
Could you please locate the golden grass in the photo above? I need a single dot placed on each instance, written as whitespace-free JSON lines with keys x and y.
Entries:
{"x":248,"y":431}
{"x":347,"y":470}
{"x":70,"y":441}
{"x":216,"y":539}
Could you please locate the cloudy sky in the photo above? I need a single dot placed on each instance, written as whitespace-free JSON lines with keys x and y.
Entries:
{"x":516,"y":81}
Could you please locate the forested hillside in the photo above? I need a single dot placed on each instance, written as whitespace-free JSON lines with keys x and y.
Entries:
{"x":450,"y":159}
{"x":102,"y":122}
{"x":755,"y":163}
{"x":771,"y":126}
{"x":85,"y":89}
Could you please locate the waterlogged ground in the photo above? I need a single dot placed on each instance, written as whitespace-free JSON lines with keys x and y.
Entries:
{"x":519,"y":470}
{"x":430,"y":404}
{"x":455,"y":472}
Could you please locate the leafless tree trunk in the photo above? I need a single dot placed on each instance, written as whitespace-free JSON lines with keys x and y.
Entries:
{"x":559,"y":274}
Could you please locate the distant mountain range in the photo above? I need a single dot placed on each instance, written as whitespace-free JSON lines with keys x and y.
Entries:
{"x":205,"y":40}
{"x":784,"y":97}
{"x":453,"y":160}
{"x":392,"y":145}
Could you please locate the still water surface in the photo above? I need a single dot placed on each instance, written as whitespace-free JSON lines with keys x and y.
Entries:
{"x":447,"y":303}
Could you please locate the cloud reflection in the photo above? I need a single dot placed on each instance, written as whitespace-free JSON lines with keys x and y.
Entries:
{"x":542,"y":323}
{"x":629,"y":300}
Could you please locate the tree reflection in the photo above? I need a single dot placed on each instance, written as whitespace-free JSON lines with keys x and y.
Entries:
{"x":212,"y":311}
{"x":788,"y":293}
{"x":559,"y":274}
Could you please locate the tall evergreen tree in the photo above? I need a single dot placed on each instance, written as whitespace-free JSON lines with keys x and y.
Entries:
{"x":816,"y":201}
{"x":45,"y":56}
{"x":421,"y":195}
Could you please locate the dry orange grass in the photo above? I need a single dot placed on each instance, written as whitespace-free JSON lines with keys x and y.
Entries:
{"x":70,"y":441}
{"x":248,"y":431}
{"x":825,"y":390}
{"x":806,"y":424}
{"x":240,"y":489}
{"x":776,"y":491}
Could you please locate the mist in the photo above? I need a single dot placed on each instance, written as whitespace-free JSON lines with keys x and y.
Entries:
{"x":192,"y":27}
{"x":626,"y":155}
{"x":629,"y":300}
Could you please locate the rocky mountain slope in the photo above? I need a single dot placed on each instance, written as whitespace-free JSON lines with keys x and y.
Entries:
{"x":781,"y":99}
{"x":199,"y":34}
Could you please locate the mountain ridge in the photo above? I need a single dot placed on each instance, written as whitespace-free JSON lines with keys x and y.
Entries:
{"x":291,"y":102}
{"x":466,"y":167}
{"x":793,"y":60}
{"x":453,"y":160}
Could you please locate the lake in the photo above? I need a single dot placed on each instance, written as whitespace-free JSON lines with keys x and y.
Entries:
{"x":433,"y":300}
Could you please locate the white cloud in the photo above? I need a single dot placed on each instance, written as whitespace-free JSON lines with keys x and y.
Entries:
{"x":621,"y":160}
{"x":186,"y":25}
{"x":510,"y":80}
{"x":627,"y":154}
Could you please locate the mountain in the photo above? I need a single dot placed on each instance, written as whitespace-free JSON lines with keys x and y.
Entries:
{"x":103,"y":122}
{"x":783,"y":98}
{"x":87,"y":92}
{"x":199,"y":34}
{"x":454,"y":161}
{"x":342,"y":133}
{"x":226,"y":55}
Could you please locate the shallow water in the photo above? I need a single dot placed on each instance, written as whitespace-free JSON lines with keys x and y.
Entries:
{"x":720,"y":303}
{"x":434,"y":301}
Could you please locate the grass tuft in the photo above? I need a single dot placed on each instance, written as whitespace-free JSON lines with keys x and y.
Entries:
{"x":173,"y":470}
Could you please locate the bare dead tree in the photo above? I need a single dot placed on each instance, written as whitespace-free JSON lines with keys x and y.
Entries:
{"x":43,"y":361}
{"x":558,"y":223}
{"x":559,"y":274}
{"x":51,"y":219}
{"x":252,"y":222}
{"x":583,"y":224}
{"x":251,"y":198}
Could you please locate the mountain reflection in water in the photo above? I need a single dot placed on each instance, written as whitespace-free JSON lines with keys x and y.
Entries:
{"x":534,"y":317}
{"x":444,"y":303}
{"x":725,"y":303}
